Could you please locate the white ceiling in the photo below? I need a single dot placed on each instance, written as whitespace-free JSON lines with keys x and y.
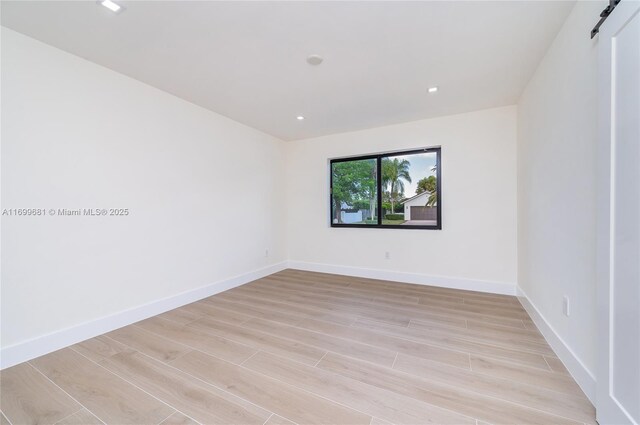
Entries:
{"x":247,"y":60}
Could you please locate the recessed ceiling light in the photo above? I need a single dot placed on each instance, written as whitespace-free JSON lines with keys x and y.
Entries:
{"x":299,"y":117}
{"x":112,"y":6}
{"x":314,"y":60}
{"x":433,"y":89}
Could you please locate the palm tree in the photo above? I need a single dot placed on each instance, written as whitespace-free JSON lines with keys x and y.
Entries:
{"x":433,"y":199}
{"x":393,"y":172}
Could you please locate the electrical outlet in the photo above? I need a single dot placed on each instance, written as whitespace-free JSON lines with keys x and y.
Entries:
{"x":266,"y":252}
{"x":387,"y":255}
{"x":565,"y":306}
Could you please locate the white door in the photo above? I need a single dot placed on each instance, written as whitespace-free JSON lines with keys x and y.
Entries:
{"x":618,"y":376}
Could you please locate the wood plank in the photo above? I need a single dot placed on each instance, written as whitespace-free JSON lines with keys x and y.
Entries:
{"x":467,"y":403}
{"x":448,"y":298}
{"x":100,"y":348}
{"x":399,"y":298}
{"x":516,"y":372}
{"x":346,"y":293}
{"x":507,"y":339}
{"x":512,"y":323}
{"x":316,"y":305}
{"x":294,"y":311}
{"x":378,"y":421}
{"x":106,"y":395}
{"x":149,"y":343}
{"x":515,"y":312}
{"x":317,"y":289}
{"x":306,"y":308}
{"x":316,"y":285}
{"x":27,"y":397}
{"x":483,"y":330}
{"x":83,"y":417}
{"x":204,"y":403}
{"x":452,"y":342}
{"x":514,"y":302}
{"x":444,"y":322}
{"x":229,"y":302}
{"x":325,"y":342}
{"x":260,"y":340}
{"x":205,"y":309}
{"x":310,"y":277}
{"x":534,"y":335}
{"x":3,"y":419}
{"x":275,"y":396}
{"x":312,"y":287}
{"x":401,"y":310}
{"x":575,"y":406}
{"x":179,"y":419}
{"x":419,"y":329}
{"x":278,"y":420}
{"x":365,"y":398}
{"x":212,"y":344}
{"x":390,"y":342}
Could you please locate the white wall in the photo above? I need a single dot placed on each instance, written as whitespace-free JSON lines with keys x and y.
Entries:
{"x":204,"y":193}
{"x":556,"y":184}
{"x":478,"y":239}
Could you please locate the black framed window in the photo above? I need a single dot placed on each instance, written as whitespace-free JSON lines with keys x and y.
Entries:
{"x":398,"y":190}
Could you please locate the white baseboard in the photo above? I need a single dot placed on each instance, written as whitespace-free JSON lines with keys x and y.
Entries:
{"x":44,"y":344}
{"x":505,"y":288}
{"x":582,"y":375}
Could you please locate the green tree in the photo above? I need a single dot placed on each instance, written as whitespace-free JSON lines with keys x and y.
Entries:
{"x":422,"y":186}
{"x":429,"y":185}
{"x":353,"y":181}
{"x":394,"y":171}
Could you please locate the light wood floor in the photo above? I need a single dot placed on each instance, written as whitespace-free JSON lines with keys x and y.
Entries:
{"x":308,"y":348}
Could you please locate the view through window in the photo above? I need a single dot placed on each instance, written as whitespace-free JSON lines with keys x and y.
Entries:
{"x":392,"y":190}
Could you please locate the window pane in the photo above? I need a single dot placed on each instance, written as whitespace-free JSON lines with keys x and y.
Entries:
{"x":409,"y":189}
{"x":354,"y":198}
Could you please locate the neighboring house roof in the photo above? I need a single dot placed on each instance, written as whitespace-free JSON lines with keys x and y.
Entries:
{"x":416,"y":197}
